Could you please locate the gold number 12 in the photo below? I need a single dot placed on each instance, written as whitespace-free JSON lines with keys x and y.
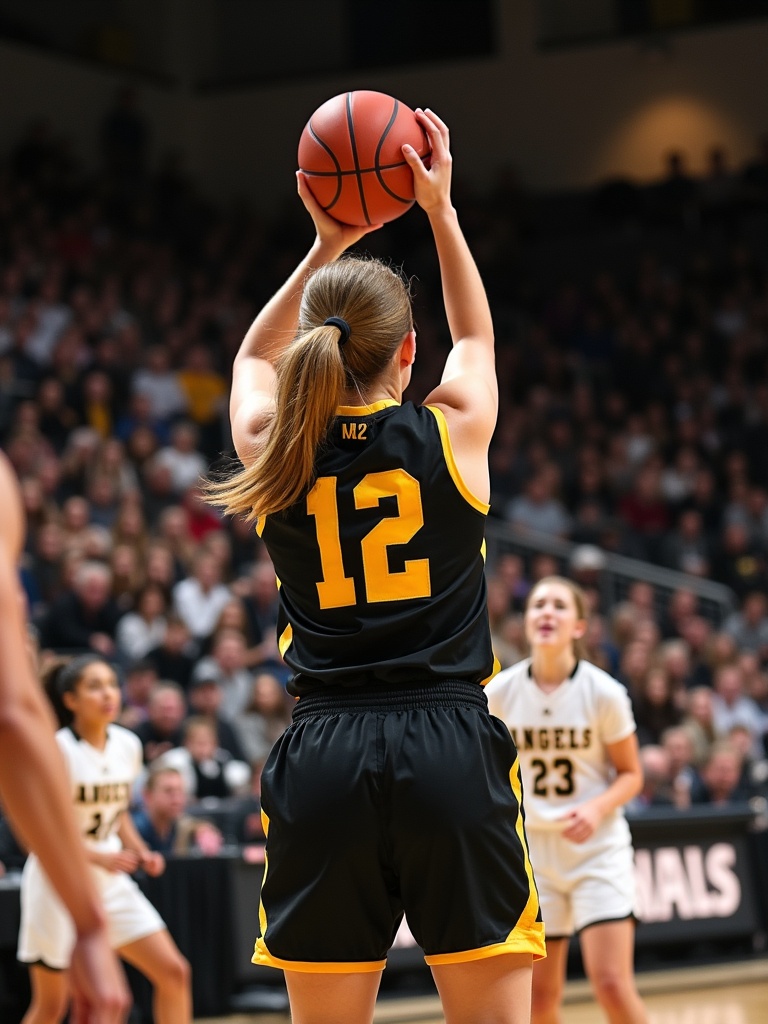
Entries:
{"x":337,"y":590}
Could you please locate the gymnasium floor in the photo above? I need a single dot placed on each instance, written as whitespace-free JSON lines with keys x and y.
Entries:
{"x":722,"y":994}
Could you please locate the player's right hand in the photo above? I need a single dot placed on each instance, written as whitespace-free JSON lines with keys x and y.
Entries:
{"x":432,"y":185}
{"x":99,"y":990}
{"x":118,"y":860}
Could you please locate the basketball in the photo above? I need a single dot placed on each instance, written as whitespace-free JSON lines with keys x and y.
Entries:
{"x":350,"y":151}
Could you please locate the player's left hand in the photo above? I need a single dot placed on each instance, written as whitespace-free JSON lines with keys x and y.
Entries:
{"x":581,"y":822}
{"x":152,"y":862}
{"x":330,"y":232}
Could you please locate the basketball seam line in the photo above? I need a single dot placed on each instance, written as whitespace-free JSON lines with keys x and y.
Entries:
{"x":353,"y":141}
{"x":381,"y":168}
{"x":332,"y":155}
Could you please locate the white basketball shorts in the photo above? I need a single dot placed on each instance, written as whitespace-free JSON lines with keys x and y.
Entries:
{"x":583,"y":884}
{"x":47,"y":934}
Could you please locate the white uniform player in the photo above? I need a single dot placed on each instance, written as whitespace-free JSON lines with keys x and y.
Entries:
{"x":575,"y":734}
{"x":561,"y":737}
{"x":101,"y":782}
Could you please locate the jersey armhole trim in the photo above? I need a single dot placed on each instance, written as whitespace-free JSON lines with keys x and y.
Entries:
{"x":450,"y":461}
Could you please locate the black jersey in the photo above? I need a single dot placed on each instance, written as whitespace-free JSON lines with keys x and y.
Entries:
{"x":381,"y":566}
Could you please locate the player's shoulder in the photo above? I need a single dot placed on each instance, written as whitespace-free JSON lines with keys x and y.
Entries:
{"x":600,"y":682}
{"x":66,"y":738}
{"x":508,"y":678}
{"x":124,"y":738}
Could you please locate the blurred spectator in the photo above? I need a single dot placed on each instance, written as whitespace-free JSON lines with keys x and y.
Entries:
{"x":265,"y":717}
{"x":85,"y":616}
{"x":754,"y":768}
{"x":686,"y":548}
{"x":207,"y":770}
{"x":676,"y":741}
{"x":206,"y":392}
{"x":498,"y":615}
{"x":674,"y":658}
{"x":249,"y":826}
{"x":203,"y":523}
{"x":740,"y":563}
{"x":44,"y":565}
{"x":181,"y":458}
{"x":173,"y":531}
{"x":200,"y":598}
{"x":141,"y":631}
{"x":260,"y":603}
{"x":538,"y":509}
{"x":139,"y":683}
{"x":226,"y":664}
{"x":160,"y":385}
{"x":127,"y":576}
{"x":696,"y":631}
{"x":657,"y":781}
{"x":586,"y":564}
{"x":56,"y":418}
{"x":162,"y":821}
{"x":721,"y":777}
{"x":749,"y":625}
{"x":654,"y":707}
{"x":731,"y":706}
{"x":698,"y":722}
{"x":161,"y":730}
{"x":204,"y":699}
{"x":645,"y":512}
{"x":174,"y":657}
{"x":680,"y":607}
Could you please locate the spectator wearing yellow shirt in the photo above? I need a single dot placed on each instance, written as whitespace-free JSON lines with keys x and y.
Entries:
{"x":206,"y":390}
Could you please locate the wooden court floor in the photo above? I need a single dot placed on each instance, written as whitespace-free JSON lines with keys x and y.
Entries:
{"x":721,"y":994}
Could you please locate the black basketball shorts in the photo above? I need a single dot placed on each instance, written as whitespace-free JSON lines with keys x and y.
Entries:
{"x":399,"y":801}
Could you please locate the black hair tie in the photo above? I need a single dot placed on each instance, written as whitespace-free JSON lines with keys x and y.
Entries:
{"x":342,"y":325}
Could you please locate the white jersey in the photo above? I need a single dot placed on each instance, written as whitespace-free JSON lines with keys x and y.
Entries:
{"x":101,"y":782}
{"x":561,"y":736}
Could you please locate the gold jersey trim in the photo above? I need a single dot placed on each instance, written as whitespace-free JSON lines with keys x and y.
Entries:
{"x":527,"y":923}
{"x":530,"y":941}
{"x":264,"y":958}
{"x":450,"y":461}
{"x":365,"y":410}
{"x":286,"y":639}
{"x":496,"y":669}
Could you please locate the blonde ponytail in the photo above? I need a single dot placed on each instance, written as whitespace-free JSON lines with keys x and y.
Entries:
{"x":313,"y":375}
{"x":310,"y":384}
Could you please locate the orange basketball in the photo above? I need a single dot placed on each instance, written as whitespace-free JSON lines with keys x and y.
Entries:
{"x":350,"y":151}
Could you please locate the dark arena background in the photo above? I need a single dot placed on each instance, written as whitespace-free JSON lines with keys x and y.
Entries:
{"x":611,"y":174}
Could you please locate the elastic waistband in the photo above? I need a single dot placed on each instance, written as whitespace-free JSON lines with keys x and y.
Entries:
{"x":447,"y":693}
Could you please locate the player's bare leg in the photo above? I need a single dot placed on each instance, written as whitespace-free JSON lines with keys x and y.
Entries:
{"x":158,"y":959}
{"x":608,"y":954}
{"x":549,"y":983}
{"x":496,"y":990}
{"x":332,"y":998}
{"x":50,"y":996}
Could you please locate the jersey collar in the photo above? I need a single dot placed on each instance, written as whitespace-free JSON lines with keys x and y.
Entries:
{"x":365,"y":410}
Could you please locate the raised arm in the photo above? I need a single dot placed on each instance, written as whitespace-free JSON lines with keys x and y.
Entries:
{"x":468,"y":392}
{"x":253,"y":373}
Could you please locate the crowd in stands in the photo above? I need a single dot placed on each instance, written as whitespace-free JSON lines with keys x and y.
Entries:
{"x":632,"y":326}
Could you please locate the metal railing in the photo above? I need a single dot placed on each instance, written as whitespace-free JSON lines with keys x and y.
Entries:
{"x":618,"y":573}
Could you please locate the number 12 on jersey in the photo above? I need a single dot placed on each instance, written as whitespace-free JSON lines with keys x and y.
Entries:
{"x":336,"y":589}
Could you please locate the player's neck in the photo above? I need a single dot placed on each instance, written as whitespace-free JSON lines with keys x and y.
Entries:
{"x":550,"y":668}
{"x":94,"y":733}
